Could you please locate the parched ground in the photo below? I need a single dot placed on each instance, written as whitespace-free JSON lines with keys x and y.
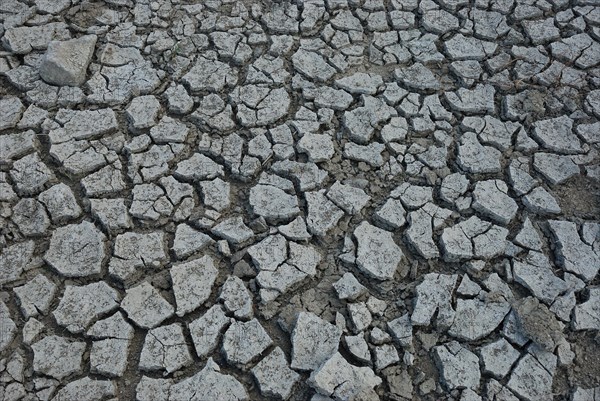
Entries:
{"x":321,"y":200}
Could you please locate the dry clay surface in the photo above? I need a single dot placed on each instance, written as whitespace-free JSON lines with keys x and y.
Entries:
{"x":321,"y":200}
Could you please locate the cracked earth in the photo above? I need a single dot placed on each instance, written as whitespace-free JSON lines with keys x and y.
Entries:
{"x":322,"y":200}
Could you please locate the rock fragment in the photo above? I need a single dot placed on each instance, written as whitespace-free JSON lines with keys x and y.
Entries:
{"x":66,"y":62}
{"x":459,"y":367}
{"x":57,"y":356}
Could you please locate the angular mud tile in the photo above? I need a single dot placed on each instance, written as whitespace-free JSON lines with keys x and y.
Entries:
{"x":337,"y":378}
{"x":31,"y":174}
{"x":313,"y":341}
{"x":318,"y":147}
{"x":86,"y":389}
{"x":459,"y":367}
{"x":135,"y":251}
{"x":274,"y":376}
{"x":534,"y":272}
{"x":77,"y":250}
{"x":417,"y":76}
{"x":273,"y":203}
{"x":312,"y":65}
{"x":477,"y":319}
{"x":192,"y":283}
{"x":165,"y":349}
{"x":210,"y":75}
{"x":269,"y":253}
{"x":491,"y":199}
{"x":189,"y":241}
{"x":360,"y":316}
{"x":323,"y":215}
{"x":151,"y":389}
{"x":209,"y":384}
{"x":296,"y":230}
{"x":198,"y":167}
{"x":530,"y":380}
{"x":36,"y":296}
{"x":58,"y":356}
{"x":586,"y":316}
{"x":61,"y":203}
{"x":236,"y":298}
{"x":572,"y":253}
{"x":145,"y":306}
{"x":434,"y":295}
{"x":9,"y":328}
{"x":234,"y":230}
{"x":498,"y":358}
{"x":555,"y":168}
{"x":244,"y":342}
{"x":31,"y":217}
{"x":377,"y":255}
{"x":541,"y":201}
{"x":16,"y":145}
{"x":81,"y":305}
{"x":556,"y":134}
{"x":17,"y":258}
{"x":536,"y":322}
{"x":347,"y":197}
{"x":207,"y":329}
{"x":475,"y":158}
{"x":108,"y":357}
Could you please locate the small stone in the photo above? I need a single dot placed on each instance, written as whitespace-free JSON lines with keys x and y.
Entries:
{"x":360,"y":316}
{"x":66,"y":63}
{"x":358,"y":347}
{"x":145,"y":306}
{"x":245,"y":341}
{"x":385,"y":355}
{"x":348,"y":287}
